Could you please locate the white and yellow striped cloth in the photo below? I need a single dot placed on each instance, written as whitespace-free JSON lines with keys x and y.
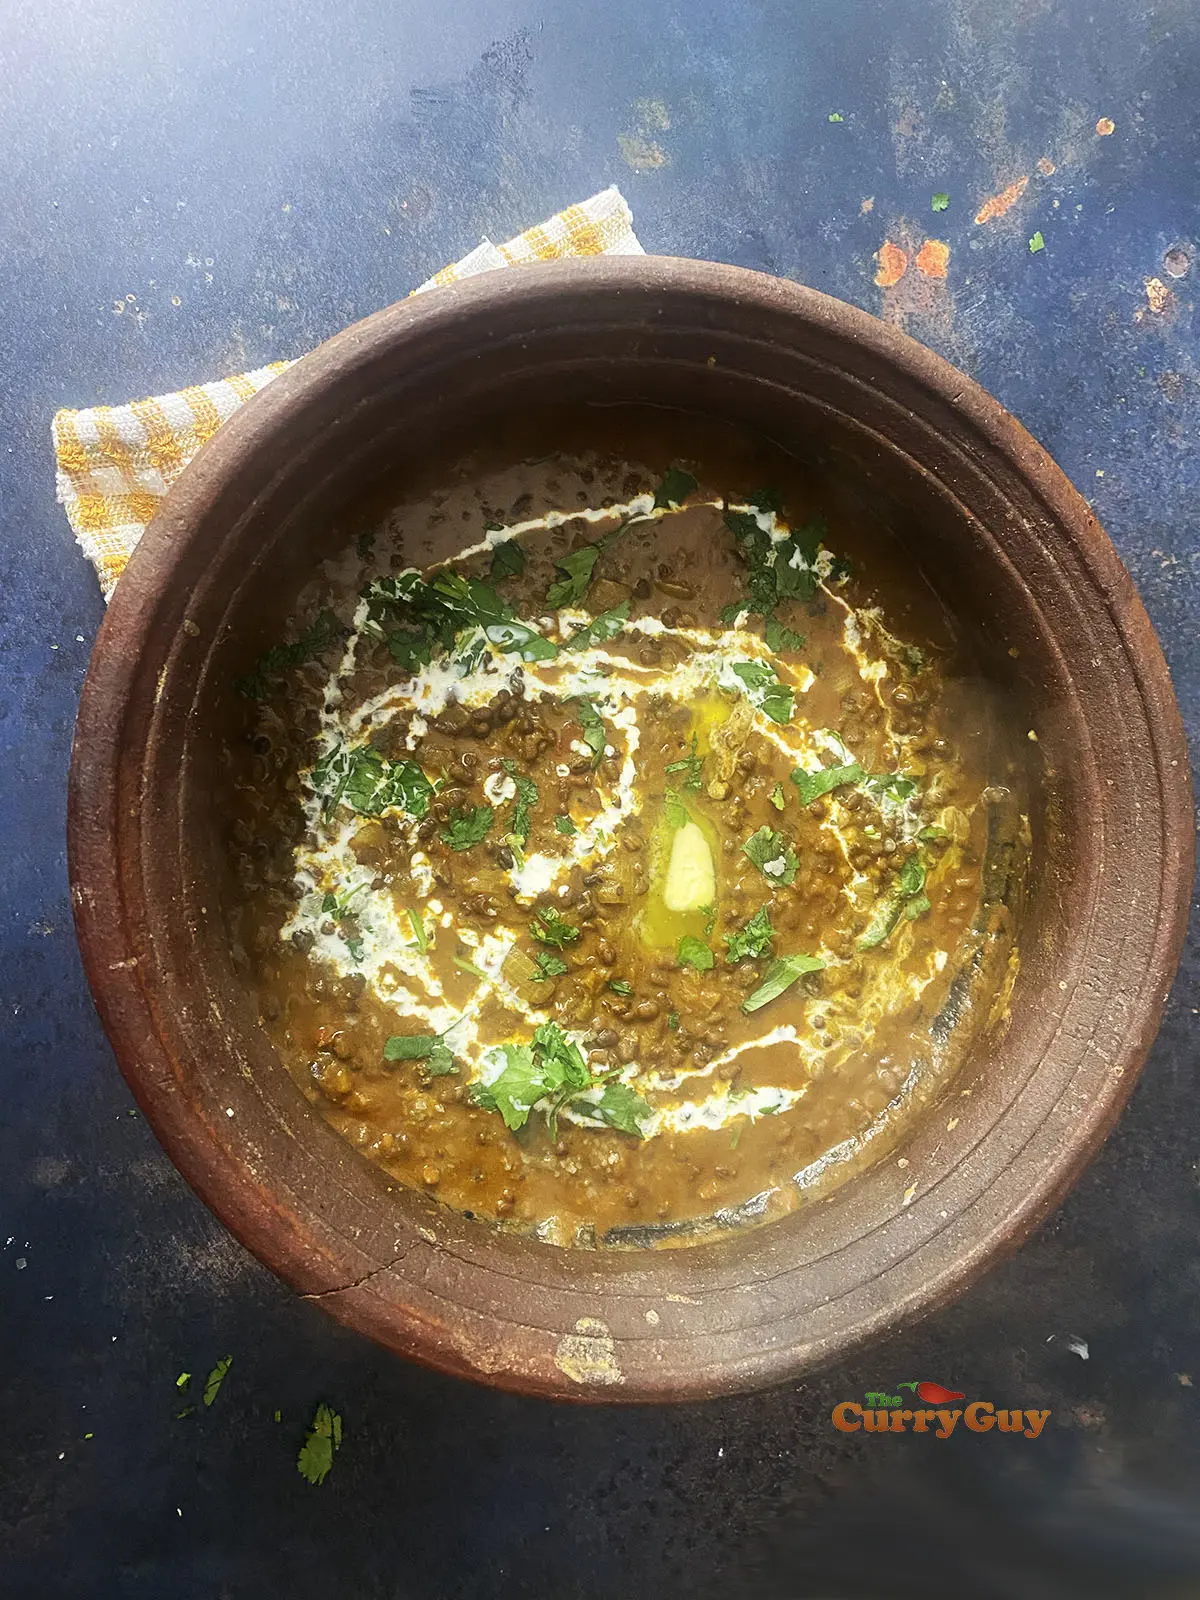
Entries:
{"x":115,"y":463}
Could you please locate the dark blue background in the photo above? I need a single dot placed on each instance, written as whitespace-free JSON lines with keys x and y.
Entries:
{"x":281,"y":169}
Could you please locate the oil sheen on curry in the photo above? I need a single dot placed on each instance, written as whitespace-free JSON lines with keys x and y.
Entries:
{"x":619,"y":854}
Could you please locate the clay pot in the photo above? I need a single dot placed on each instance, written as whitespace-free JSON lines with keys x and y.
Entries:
{"x":1024,"y":565}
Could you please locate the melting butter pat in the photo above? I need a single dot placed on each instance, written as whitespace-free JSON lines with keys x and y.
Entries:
{"x":691,"y":878}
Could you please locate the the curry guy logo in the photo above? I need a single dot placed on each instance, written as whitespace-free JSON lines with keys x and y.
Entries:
{"x":892,"y":1413}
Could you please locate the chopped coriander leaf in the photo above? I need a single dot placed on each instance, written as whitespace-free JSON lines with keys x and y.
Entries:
{"x":468,"y":826}
{"x":765,"y":690}
{"x":433,"y":613}
{"x":674,"y":488}
{"x":905,"y":899}
{"x":604,"y":626}
{"x":527,"y":798}
{"x":594,"y":735}
{"x":182,"y":1381}
{"x":367,"y":782}
{"x":430,"y":1048}
{"x":337,"y":906}
{"x":550,"y":928}
{"x":928,"y":835}
{"x":620,"y":986}
{"x":752,"y":940}
{"x":673,"y":1021}
{"x":812,"y":785}
{"x":277,"y":1415}
{"x":692,"y":765}
{"x":836,"y":116}
{"x":677,"y":812}
{"x":563,"y":824}
{"x":780,"y":638}
{"x":778,"y":569}
{"x":1036,"y":243}
{"x":549,"y":966}
{"x":772,"y":854}
{"x":212,"y":1384}
{"x":939,"y":202}
{"x":891,"y":786}
{"x":780,"y":976}
{"x":356,"y":950}
{"x":777,"y":797}
{"x":263,"y":678}
{"x":577,"y":567}
{"x":694,"y":952}
{"x":619,"y":1107}
{"x":418,"y":928}
{"x":322,"y":1444}
{"x":508,"y":560}
{"x":530,"y":1074}
{"x":188,"y":1411}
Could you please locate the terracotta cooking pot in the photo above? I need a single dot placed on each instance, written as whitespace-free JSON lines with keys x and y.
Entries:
{"x":1016,"y":554}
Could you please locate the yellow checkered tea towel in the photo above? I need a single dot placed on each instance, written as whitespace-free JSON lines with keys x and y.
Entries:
{"x":115,"y":463}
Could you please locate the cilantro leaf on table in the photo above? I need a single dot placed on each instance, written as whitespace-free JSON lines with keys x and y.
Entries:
{"x":212,"y":1384}
{"x":674,"y":488}
{"x":940,"y":201}
{"x":527,"y":798}
{"x":508,"y":560}
{"x":265,"y":675}
{"x":592,"y":723}
{"x":467,"y":826}
{"x":551,"y":928}
{"x":773,"y":855}
{"x":366,"y":781}
{"x":322,"y":1444}
{"x":765,"y":690}
{"x":692,"y":765}
{"x":693,"y":952}
{"x":754,"y":939}
{"x":779,"y":977}
{"x":605,"y":626}
{"x":812,"y":785}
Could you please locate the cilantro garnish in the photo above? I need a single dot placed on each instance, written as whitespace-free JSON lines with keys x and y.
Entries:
{"x":620,"y":986}
{"x":765,"y":690}
{"x":322,"y":1444}
{"x":677,"y":812}
{"x":812,"y":785}
{"x":673,"y":1021}
{"x":780,"y":638}
{"x":527,"y":797}
{"x":780,"y":976}
{"x":552,"y":1069}
{"x":369,"y":783}
{"x":594,"y":735}
{"x":212,"y":1384}
{"x":906,"y":899}
{"x":777,"y":797}
{"x":418,"y":928}
{"x":674,"y":489}
{"x":772,"y":855}
{"x":604,"y":626}
{"x":692,"y":765}
{"x":578,"y":568}
{"x":777,"y":569}
{"x":563,"y":824}
{"x":433,"y":613}
{"x":263,"y":678}
{"x":469,"y":966}
{"x":431,"y":1048}
{"x":467,"y":826}
{"x":549,"y":966}
{"x":693,"y":952}
{"x":752,"y":940}
{"x":508,"y":560}
{"x":618,"y":1107}
{"x":550,"y":928}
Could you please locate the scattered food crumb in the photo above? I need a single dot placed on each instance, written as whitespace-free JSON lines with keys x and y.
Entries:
{"x":1157,"y":294}
{"x":323,"y":1441}
{"x":1105,"y":126}
{"x":893,"y":264}
{"x":867,"y":205}
{"x":1002,"y":202}
{"x":1078,"y":1347}
{"x":1185,"y":1379}
{"x":933,"y":258}
{"x":939,"y":202}
{"x":836,"y":116}
{"x":908,"y":1195}
{"x":212,"y":1384}
{"x":1046,"y":167}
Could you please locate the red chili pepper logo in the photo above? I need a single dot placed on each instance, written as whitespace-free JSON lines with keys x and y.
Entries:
{"x":934,"y":1394}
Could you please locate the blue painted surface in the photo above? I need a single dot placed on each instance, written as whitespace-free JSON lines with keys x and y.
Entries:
{"x":281,"y":169}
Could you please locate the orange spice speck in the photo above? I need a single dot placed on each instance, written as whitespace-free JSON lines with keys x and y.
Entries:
{"x":1002,"y":202}
{"x":1046,"y":166}
{"x":933,"y":258}
{"x":893,"y":264}
{"x":1157,"y":295}
{"x":1105,"y":126}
